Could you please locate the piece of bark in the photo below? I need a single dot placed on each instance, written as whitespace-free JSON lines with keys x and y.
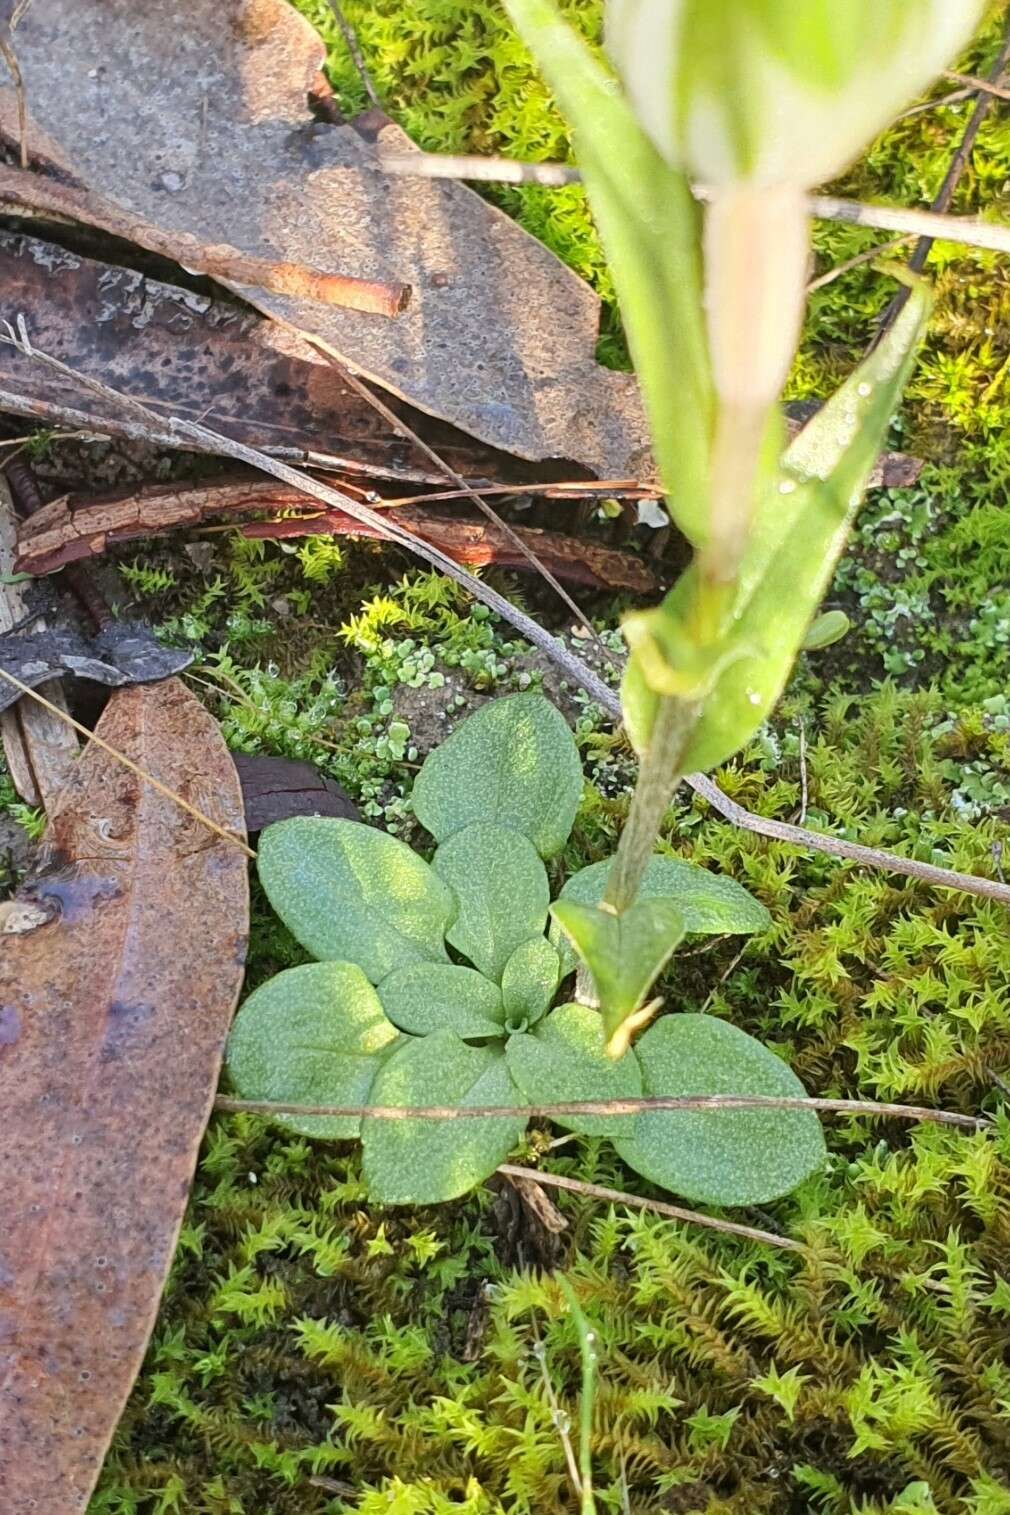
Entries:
{"x":186,"y":354}
{"x":195,"y":118}
{"x":39,"y":748}
{"x":65,"y":532}
{"x":113,"y":1015}
{"x":76,"y":527}
{"x":275,"y":789}
{"x":122,"y":652}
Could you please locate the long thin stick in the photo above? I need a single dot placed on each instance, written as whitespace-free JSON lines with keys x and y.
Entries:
{"x":658,"y":1206}
{"x":630,"y":1106}
{"x":880,"y":250}
{"x":383,"y":522}
{"x":573,"y":667}
{"x":951,"y":179}
{"x":120,"y":757}
{"x":351,"y":41}
{"x":836,"y":846}
{"x":894,"y":218}
{"x":984,"y":86}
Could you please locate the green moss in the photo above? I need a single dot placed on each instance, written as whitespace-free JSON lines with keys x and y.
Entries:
{"x":316,"y":1354}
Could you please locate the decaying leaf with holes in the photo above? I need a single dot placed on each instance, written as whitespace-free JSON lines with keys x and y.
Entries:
{"x":113,"y":1014}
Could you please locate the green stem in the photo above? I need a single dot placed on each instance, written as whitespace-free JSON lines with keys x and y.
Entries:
{"x":660,"y":773}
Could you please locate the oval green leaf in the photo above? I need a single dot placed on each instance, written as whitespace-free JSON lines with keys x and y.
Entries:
{"x":565,"y":1058}
{"x":710,"y":903}
{"x":353,"y":894}
{"x":503,"y":894}
{"x":423,"y":1162}
{"x":313,"y":1035}
{"x":529,"y":980}
{"x":731,"y":1157}
{"x":513,"y":763}
{"x":430,"y":997}
{"x":625,"y":953}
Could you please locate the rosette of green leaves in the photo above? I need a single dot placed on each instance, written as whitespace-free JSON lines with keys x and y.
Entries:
{"x":435,"y":983}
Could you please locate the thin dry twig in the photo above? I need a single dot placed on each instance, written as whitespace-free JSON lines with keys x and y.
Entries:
{"x":966,"y":230}
{"x":353,"y":47}
{"x":573,"y":667}
{"x":120,"y":757}
{"x":657,"y":1206}
{"x":880,"y":250}
{"x":955,"y":97}
{"x":853,"y":852}
{"x":982,"y":86}
{"x":632,"y":1106}
{"x":951,"y":179}
{"x":418,"y":165}
{"x":384,"y":522}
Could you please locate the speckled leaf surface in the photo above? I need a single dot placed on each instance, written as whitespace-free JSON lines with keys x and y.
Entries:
{"x":503,"y":894}
{"x":442,"y":996}
{"x":422,"y":1162}
{"x":349,"y":893}
{"x":113,"y":1017}
{"x":311,"y":1035}
{"x":513,"y":762}
{"x":734,"y":1157}
{"x":529,"y":980}
{"x":564,"y":1058}
{"x":710,"y":903}
{"x":625,"y":953}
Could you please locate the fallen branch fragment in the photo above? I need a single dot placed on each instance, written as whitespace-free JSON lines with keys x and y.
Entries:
{"x":630,"y":1106}
{"x":67,"y":531}
{"x":28,"y":193}
{"x":656,"y":1206}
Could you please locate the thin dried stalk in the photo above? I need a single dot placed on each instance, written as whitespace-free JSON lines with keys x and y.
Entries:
{"x":656,"y":1206}
{"x":966,"y":230}
{"x":631,"y":1106}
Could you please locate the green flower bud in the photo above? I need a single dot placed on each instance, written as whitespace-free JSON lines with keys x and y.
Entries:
{"x":778,"y":91}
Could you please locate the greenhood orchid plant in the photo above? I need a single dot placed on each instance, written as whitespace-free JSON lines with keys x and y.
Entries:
{"x":442,"y":984}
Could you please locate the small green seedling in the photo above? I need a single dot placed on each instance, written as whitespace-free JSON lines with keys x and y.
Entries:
{"x":435,"y":984}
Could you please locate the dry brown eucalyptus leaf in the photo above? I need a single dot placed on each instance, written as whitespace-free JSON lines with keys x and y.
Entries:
{"x":113,"y":1015}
